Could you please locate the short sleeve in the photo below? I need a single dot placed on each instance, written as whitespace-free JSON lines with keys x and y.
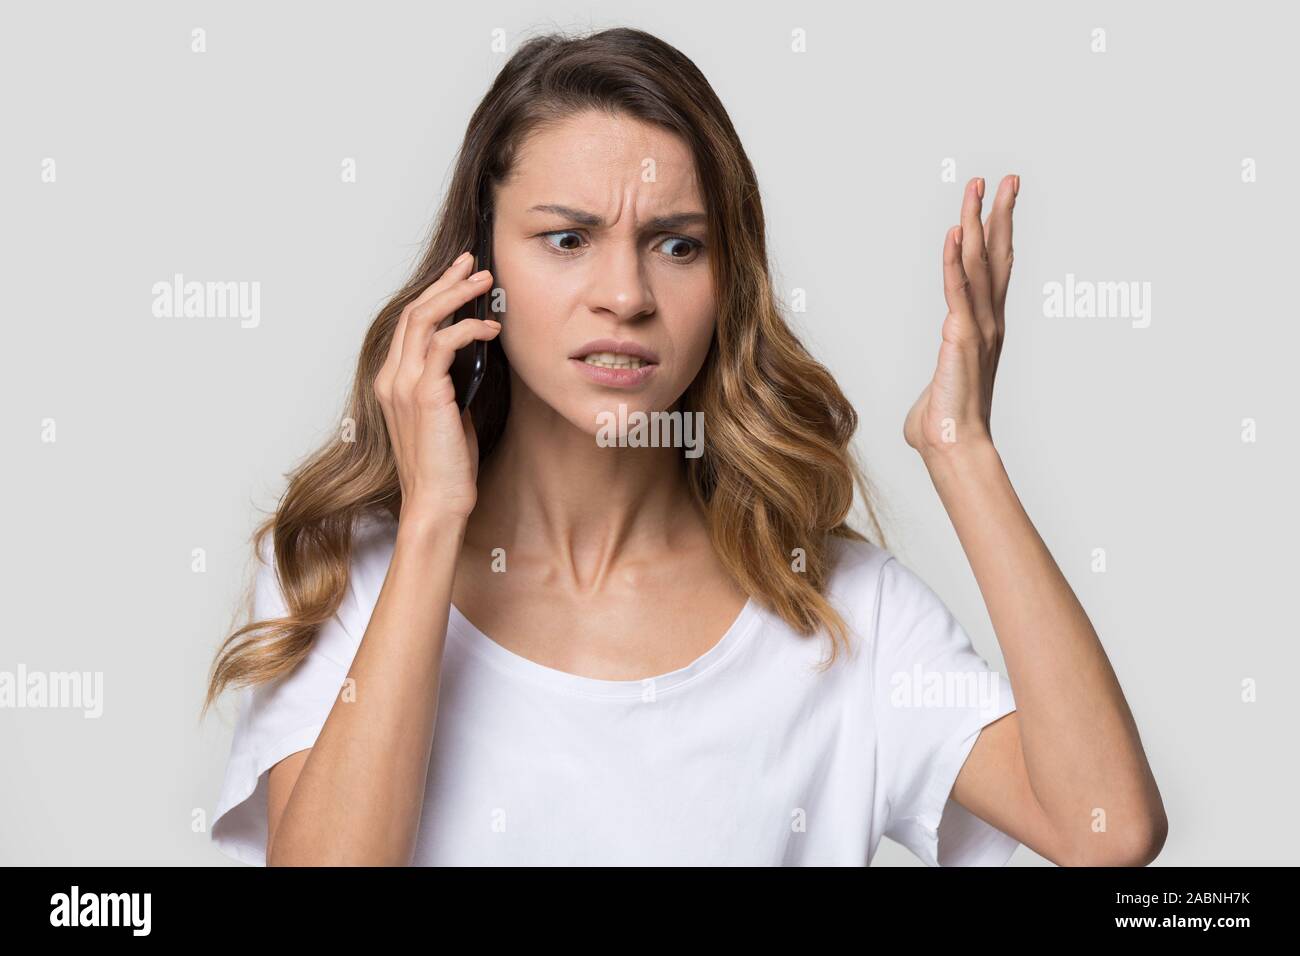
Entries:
{"x":933,"y":696}
{"x":277,"y":719}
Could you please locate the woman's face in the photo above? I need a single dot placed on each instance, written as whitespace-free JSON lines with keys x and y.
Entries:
{"x":600,"y":234}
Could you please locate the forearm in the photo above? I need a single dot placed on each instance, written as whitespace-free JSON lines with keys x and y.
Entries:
{"x":1080,"y":743}
{"x":359,"y":797}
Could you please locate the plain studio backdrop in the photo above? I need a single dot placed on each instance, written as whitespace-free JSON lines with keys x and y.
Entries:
{"x":1157,"y":150}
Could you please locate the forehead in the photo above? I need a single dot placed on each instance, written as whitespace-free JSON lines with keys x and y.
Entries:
{"x":596,"y":158}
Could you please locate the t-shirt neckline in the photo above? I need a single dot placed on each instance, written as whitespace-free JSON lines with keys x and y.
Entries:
{"x":563,"y":681}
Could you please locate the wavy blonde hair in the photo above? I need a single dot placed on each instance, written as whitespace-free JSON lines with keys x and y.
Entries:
{"x":778,"y":472}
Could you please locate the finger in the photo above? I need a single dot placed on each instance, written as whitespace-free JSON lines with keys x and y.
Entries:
{"x":447,"y":342}
{"x":460,"y":267}
{"x":434,"y":386}
{"x":975,"y":256}
{"x":956,"y":286}
{"x":999,"y":244}
{"x":455,"y":271}
{"x":428,"y":315}
{"x":458,"y":271}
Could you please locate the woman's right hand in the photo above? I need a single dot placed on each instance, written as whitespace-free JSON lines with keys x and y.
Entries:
{"x":434,"y":445}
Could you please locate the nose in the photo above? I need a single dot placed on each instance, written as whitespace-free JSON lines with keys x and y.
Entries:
{"x":618,"y":287}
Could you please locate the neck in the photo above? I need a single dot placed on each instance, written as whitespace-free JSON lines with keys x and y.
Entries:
{"x":550,"y":494}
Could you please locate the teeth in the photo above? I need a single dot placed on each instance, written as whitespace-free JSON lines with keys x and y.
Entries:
{"x":613,"y":360}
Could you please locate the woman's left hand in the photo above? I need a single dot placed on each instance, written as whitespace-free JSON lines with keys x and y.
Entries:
{"x":954,"y":409}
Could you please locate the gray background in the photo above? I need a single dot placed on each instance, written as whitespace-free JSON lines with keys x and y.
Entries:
{"x":225,"y":166}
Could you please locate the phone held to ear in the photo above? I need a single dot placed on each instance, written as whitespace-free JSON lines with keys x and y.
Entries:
{"x":469,"y":363}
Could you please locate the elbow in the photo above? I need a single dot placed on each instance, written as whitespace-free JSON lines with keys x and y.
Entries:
{"x":1138,"y":845}
{"x":1154,"y":834}
{"x":1149,"y":837}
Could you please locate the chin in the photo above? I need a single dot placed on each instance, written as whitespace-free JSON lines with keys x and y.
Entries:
{"x":596,"y":414}
{"x":588,"y":416}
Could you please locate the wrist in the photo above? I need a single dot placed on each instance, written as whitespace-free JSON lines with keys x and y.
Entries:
{"x":959,"y":460}
{"x":422,"y":528}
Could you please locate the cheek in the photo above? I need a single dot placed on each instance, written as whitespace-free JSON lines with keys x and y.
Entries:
{"x":690,"y":327}
{"x":534,"y":312}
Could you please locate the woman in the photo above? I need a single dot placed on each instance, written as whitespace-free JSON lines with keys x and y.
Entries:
{"x":653,"y":689}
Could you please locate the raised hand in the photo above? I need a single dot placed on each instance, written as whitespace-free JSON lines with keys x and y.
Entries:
{"x":954,"y":410}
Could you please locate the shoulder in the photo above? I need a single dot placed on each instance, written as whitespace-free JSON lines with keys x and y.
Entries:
{"x":875,"y":590}
{"x":857,"y":572}
{"x":855,"y":562}
{"x":374,"y":535}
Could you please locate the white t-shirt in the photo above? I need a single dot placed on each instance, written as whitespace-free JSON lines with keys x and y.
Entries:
{"x":744,"y":757}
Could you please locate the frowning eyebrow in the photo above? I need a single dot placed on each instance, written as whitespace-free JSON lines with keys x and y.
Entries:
{"x":670,"y":222}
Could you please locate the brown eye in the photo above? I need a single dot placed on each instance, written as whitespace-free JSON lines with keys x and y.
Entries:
{"x":572,"y":241}
{"x":681,"y":249}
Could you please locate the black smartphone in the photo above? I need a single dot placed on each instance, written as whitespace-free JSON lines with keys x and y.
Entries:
{"x":469,"y":363}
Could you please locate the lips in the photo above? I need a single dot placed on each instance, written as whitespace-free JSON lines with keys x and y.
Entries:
{"x":618,"y":350}
{"x":614,"y":377}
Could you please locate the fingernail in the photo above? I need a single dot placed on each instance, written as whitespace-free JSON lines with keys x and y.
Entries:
{"x":461,"y":258}
{"x":956,"y":236}
{"x":1015,"y":186}
{"x":979,"y":187}
{"x":476,"y":277}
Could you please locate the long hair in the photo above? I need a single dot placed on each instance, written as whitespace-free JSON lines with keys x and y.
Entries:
{"x":776,"y":478}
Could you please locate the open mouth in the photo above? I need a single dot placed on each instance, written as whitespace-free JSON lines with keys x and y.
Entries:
{"x":615,"y":360}
{"x":615,"y":364}
{"x":621,"y":363}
